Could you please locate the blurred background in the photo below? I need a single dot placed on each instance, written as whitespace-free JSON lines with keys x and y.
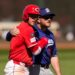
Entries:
{"x":64,"y":22}
{"x":63,"y":27}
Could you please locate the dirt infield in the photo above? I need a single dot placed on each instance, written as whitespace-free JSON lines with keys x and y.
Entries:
{"x":62,"y":45}
{"x":4,"y":45}
{"x":66,"y":45}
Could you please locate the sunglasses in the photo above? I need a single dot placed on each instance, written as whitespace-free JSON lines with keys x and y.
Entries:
{"x":47,"y":17}
{"x":33,"y":16}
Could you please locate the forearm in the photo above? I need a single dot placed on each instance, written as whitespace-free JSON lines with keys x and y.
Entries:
{"x":39,"y":46}
{"x":55,"y":65}
{"x":6,"y":35}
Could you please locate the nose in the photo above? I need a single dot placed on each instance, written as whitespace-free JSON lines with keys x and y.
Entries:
{"x":49,"y":20}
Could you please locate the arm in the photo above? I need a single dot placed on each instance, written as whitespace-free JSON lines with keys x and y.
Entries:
{"x":40,"y":44}
{"x":7,"y":35}
{"x":55,"y":65}
{"x":55,"y":59}
{"x":30,"y":41}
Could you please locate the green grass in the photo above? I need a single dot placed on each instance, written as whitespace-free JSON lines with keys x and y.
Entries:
{"x":3,"y":60}
{"x":67,"y":61}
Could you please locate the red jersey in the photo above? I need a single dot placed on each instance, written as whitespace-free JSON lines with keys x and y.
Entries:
{"x":19,"y":45}
{"x":24,"y":44}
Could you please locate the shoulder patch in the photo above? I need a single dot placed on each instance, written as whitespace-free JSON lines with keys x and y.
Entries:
{"x":33,"y":39}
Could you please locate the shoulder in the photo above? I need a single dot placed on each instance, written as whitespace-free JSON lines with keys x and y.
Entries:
{"x":25,"y":27}
{"x":35,"y":27}
{"x":51,"y":34}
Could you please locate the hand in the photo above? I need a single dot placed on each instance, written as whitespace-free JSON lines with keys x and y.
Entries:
{"x":14,"y":31}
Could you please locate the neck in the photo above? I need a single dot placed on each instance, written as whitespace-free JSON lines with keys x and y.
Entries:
{"x":43,"y":28}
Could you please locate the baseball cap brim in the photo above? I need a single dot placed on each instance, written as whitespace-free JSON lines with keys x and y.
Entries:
{"x":50,"y":14}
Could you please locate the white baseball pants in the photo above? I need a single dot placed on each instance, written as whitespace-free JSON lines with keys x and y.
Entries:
{"x":15,"y":69}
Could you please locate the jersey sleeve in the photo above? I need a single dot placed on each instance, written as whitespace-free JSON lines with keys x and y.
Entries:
{"x":6,"y":35}
{"x":29,"y":38}
{"x":54,"y":49}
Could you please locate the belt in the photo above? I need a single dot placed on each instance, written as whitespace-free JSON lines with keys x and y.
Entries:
{"x":44,"y":65}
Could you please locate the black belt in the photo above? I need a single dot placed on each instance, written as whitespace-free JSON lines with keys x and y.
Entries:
{"x":44,"y":66}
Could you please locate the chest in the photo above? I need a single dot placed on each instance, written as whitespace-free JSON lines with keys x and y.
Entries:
{"x":49,"y":36}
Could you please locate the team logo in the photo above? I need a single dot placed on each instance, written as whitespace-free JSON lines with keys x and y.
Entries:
{"x":36,"y":10}
{"x":47,"y":10}
{"x":32,"y":39}
{"x":50,"y":42}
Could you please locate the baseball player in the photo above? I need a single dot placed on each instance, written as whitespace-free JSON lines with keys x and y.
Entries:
{"x":49,"y":53}
{"x":24,"y":45}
